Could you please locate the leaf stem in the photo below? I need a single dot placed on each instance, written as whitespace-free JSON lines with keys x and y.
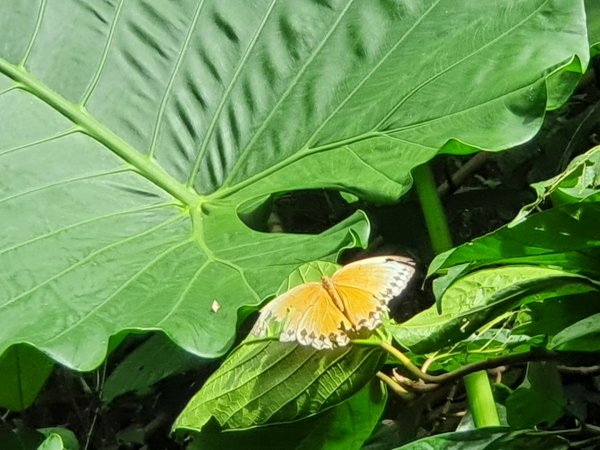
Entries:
{"x":536,"y":354}
{"x":398,"y":390}
{"x":406,"y":362}
{"x":481,"y":400}
{"x":477,"y":385}
{"x":431,"y":205}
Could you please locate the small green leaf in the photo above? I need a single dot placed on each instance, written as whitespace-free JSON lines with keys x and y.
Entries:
{"x":52,"y":442}
{"x":579,"y":182}
{"x":23,"y":373}
{"x":553,"y":315}
{"x":311,"y":271}
{"x":343,"y":427}
{"x":69,"y":440}
{"x":592,"y":10}
{"x":539,"y":399}
{"x":484,"y":345}
{"x":583,"y":336}
{"x":564,"y":237}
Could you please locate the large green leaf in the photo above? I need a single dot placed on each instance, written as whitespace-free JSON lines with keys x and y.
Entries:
{"x":131,"y":133}
{"x":344,"y":427}
{"x":263,"y":382}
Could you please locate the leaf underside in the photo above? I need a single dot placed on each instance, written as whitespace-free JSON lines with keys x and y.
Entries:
{"x":132,"y":132}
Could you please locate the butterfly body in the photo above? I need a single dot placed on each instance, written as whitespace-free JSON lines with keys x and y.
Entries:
{"x":330,"y":288}
{"x":328,"y":314}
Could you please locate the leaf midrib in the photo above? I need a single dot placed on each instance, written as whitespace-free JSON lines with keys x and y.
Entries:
{"x":89,"y":125}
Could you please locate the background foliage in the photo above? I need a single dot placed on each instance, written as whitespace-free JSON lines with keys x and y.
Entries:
{"x":147,"y":152}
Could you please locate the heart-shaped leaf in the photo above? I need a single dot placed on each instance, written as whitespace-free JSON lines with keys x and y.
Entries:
{"x":132,"y":134}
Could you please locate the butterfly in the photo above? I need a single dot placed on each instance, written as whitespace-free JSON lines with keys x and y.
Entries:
{"x":327,"y":314}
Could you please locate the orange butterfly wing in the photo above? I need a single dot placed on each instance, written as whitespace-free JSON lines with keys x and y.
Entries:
{"x":365,"y":287}
{"x":307,"y":315}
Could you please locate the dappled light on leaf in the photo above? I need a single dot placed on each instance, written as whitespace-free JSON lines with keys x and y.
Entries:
{"x":269,"y":382}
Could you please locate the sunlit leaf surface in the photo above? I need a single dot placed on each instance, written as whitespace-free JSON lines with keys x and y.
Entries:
{"x":131,"y":133}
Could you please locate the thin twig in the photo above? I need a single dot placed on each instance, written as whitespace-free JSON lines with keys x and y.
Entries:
{"x":100,"y":378}
{"x":443,"y":413}
{"x":535,"y":355}
{"x":398,"y":390}
{"x":459,"y":177}
{"x":584,"y":370}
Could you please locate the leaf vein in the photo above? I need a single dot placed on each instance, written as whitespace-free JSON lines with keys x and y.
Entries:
{"x":169,"y":88}
{"x":36,"y":30}
{"x":371,"y":72}
{"x":262,"y":393}
{"x":85,"y":222}
{"x":105,"y":50}
{"x":286,"y":93}
{"x":66,"y":181}
{"x":313,"y":380}
{"x":87,"y":258}
{"x":251,"y":378}
{"x":82,"y":319}
{"x":40,"y":141}
{"x":184,"y":292}
{"x":362,"y":161}
{"x":204,"y":145}
{"x":460,"y":61}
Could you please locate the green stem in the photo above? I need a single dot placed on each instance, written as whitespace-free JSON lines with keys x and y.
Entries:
{"x":398,"y":390}
{"x":435,"y":218}
{"x":481,"y":400}
{"x":477,"y":384}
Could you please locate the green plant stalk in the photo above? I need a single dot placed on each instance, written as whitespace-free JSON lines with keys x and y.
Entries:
{"x":477,"y":384}
{"x":481,"y":400}
{"x":431,"y":205}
